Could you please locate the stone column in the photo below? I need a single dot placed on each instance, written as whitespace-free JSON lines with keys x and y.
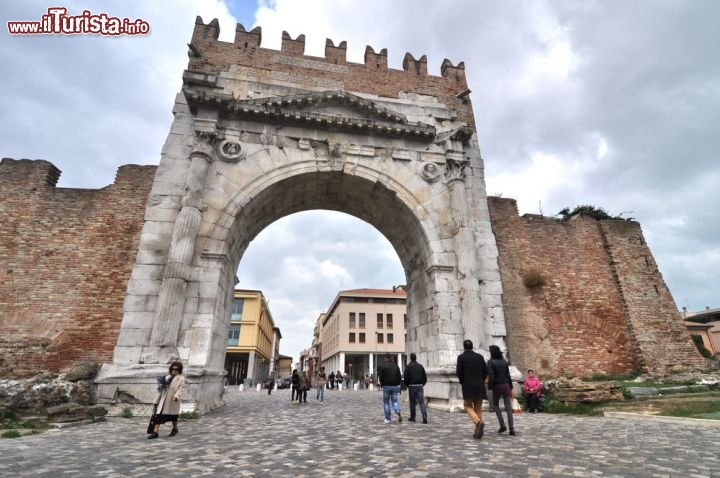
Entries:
{"x":467,"y":263}
{"x":179,"y":271}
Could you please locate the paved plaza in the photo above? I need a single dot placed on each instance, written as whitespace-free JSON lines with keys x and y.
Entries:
{"x":260,"y":436}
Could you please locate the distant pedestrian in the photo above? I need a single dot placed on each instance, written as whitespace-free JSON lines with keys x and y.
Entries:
{"x":390,"y":379}
{"x":532,"y":388}
{"x":167,"y":402}
{"x":295,"y":386}
{"x":270,"y":383}
{"x":471,"y":371}
{"x":415,"y":379}
{"x":501,"y":384}
{"x":303,"y":386}
{"x":331,"y":381}
{"x":320,"y":381}
{"x":339,"y":380}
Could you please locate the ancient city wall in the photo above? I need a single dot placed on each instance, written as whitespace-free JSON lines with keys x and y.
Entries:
{"x":584,"y":296}
{"x":65,"y":259}
{"x":66,"y":256}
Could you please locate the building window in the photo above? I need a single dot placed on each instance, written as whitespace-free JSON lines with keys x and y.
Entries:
{"x":389,"y":321}
{"x":380,"y":338}
{"x":233,"y":335}
{"x":361,"y":337}
{"x":379,"y":321}
{"x":390,"y":339}
{"x":352,"y":320}
{"x":351,"y":338}
{"x":362,"y":320}
{"x":237,"y":309}
{"x":405,"y":321}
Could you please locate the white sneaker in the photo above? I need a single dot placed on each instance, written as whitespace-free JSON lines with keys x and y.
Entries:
{"x":387,"y":421}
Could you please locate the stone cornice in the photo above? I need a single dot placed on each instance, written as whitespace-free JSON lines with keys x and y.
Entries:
{"x":289,"y":109}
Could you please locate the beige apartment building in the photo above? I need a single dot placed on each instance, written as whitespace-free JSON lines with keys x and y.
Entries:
{"x":359,"y":328}
{"x":253,"y":340}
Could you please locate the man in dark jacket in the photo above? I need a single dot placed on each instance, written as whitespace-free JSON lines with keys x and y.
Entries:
{"x":471,"y":372}
{"x":415,"y":379}
{"x":390,"y":380}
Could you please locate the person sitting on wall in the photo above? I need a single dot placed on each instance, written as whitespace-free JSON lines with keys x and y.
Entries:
{"x":532,"y":387}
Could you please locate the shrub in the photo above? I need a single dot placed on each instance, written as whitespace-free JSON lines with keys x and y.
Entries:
{"x":591,"y":211}
{"x":126,"y":412}
{"x":701,"y":346}
{"x":10,"y":434}
{"x":533,"y":279}
{"x":189,"y":415}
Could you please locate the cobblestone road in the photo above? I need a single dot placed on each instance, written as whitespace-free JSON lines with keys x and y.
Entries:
{"x":260,"y":436}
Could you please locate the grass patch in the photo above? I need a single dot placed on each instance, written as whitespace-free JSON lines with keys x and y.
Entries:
{"x":10,"y":434}
{"x":189,"y":415}
{"x":694,"y":409}
{"x":126,"y":412}
{"x":549,"y":404}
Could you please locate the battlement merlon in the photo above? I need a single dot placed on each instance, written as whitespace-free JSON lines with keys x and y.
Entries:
{"x":207,"y":55}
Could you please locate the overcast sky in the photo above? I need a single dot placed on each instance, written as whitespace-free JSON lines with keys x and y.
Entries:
{"x":609,"y":103}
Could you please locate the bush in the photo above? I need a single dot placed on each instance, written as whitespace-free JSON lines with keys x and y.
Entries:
{"x":189,"y":415}
{"x":701,"y":346}
{"x":126,"y":412}
{"x":10,"y":434}
{"x":591,"y":211}
{"x":533,"y":279}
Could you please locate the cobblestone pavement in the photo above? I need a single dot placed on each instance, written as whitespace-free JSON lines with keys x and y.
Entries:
{"x":260,"y":436}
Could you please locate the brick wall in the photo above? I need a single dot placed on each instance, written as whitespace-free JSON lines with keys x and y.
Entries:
{"x":603,"y":306}
{"x":65,"y":258}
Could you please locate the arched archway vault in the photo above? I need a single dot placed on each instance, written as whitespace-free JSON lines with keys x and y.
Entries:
{"x":244,"y":151}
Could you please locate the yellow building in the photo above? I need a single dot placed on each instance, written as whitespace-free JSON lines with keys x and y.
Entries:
{"x":253,"y":340}
{"x":359,"y":328}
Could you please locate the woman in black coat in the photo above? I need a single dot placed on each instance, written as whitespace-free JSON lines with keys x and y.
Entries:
{"x":501,"y":386}
{"x":471,"y":371}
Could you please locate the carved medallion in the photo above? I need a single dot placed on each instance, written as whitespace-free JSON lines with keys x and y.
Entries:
{"x":231,"y":151}
{"x":430,"y":172}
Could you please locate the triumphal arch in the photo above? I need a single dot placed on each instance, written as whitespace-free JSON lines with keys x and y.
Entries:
{"x":259,"y":134}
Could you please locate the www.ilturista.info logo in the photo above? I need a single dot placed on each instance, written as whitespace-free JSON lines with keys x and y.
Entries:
{"x":58,"y":22}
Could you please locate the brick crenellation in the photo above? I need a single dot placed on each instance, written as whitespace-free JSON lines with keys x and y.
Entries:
{"x":210,"y":56}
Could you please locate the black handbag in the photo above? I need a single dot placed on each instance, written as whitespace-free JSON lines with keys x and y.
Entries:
{"x":151,"y":423}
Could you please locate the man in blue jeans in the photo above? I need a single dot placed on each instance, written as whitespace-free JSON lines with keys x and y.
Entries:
{"x":415,"y":379}
{"x":390,"y":379}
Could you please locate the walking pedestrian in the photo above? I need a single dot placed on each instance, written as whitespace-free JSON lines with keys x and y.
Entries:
{"x":339,"y":380}
{"x":303,"y":386}
{"x":390,"y":379}
{"x":501,"y":384}
{"x":415,"y":379}
{"x":167,"y":402}
{"x":295,"y":386}
{"x":331,"y":381}
{"x":320,"y":381}
{"x":270,"y":383}
{"x":471,"y":371}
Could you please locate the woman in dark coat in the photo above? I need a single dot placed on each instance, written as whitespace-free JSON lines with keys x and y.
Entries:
{"x":471,"y":371}
{"x":501,"y":385}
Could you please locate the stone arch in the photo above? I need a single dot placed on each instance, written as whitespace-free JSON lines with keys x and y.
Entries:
{"x":244,"y":152}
